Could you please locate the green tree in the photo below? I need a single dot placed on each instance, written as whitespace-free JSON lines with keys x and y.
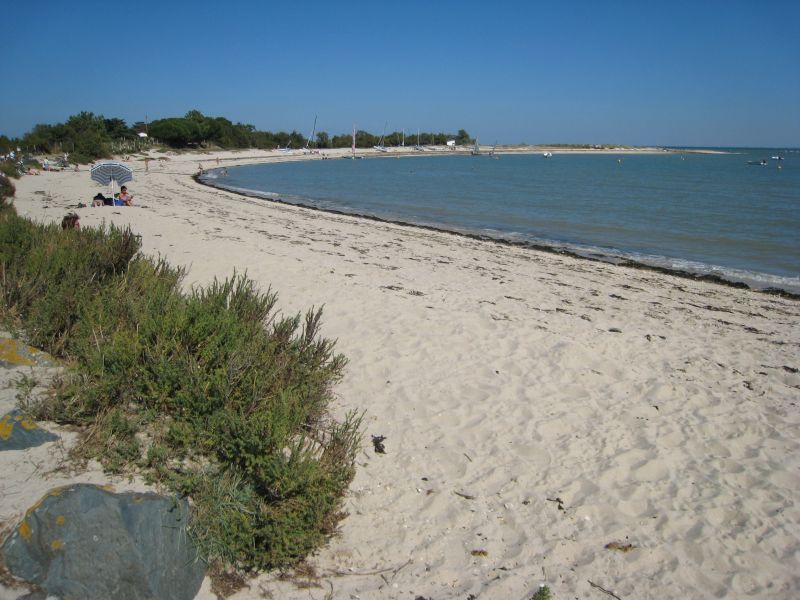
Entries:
{"x":116,"y":129}
{"x":202,"y":126}
{"x":39,"y":138}
{"x":194,"y":115}
{"x":7,"y":144}
{"x":462,"y":137}
{"x":175,"y":132}
{"x":323,"y":140}
{"x":87,"y":134}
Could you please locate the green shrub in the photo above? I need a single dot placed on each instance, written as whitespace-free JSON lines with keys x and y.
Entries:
{"x":6,"y":191}
{"x":51,"y":274}
{"x":9,"y":169}
{"x":542,"y":594}
{"x":232,"y":398}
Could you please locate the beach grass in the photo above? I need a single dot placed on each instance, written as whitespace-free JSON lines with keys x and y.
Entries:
{"x":8,"y":169}
{"x":6,"y":189}
{"x":210,"y":393}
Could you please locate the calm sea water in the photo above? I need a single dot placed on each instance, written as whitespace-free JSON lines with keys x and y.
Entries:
{"x":703,"y":213}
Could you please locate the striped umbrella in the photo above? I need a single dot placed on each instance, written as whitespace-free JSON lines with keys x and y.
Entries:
{"x":106,"y":173}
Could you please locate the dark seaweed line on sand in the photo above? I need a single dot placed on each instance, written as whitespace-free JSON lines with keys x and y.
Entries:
{"x":716,"y":279}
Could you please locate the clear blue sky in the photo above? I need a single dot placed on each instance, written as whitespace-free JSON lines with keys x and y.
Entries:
{"x":673,"y":73}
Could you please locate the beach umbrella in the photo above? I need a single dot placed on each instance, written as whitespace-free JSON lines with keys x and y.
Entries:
{"x":106,"y":173}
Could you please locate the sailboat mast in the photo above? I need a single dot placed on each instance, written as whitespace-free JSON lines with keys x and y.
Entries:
{"x":313,"y":131}
{"x":354,"y":141}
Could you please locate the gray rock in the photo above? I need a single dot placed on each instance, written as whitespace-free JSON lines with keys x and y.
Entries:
{"x":84,"y":542}
{"x":17,"y":432}
{"x":14,"y":353}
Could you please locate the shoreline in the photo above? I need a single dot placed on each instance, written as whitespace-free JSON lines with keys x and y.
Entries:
{"x":395,"y":151}
{"x":540,"y":411}
{"x":542,"y":247}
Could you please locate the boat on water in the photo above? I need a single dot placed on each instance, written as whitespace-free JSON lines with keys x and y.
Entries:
{"x":380,"y":147}
{"x":307,"y":147}
{"x":353,"y":148}
{"x":777,"y":157}
{"x":761,"y":163}
{"x":547,"y":154}
{"x":419,"y":148}
{"x":476,"y":149}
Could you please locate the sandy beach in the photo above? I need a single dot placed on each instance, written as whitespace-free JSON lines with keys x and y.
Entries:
{"x":548,"y":420}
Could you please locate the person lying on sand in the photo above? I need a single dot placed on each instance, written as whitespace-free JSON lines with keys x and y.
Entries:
{"x":100,"y":200}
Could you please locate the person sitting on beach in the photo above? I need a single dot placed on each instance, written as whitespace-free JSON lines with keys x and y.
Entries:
{"x":71,"y":221}
{"x":100,"y":200}
{"x":126,"y":198}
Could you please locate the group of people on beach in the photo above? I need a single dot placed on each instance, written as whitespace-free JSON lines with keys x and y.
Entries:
{"x":202,"y":171}
{"x":123,"y":198}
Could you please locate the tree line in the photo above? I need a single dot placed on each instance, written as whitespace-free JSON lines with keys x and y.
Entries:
{"x":87,"y":137}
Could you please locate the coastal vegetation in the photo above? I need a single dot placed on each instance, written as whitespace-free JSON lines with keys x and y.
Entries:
{"x":207,"y":392}
{"x":86,"y":136}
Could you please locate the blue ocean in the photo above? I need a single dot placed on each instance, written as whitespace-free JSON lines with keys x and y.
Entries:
{"x":704,"y":213}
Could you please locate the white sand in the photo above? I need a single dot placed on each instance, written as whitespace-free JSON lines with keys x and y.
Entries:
{"x":662,"y":412}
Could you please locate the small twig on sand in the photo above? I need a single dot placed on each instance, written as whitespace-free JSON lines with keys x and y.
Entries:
{"x":468,"y":458}
{"x":465,"y":496}
{"x":395,"y":570}
{"x":602,"y":589}
{"x":403,"y":566}
{"x":357,"y":573}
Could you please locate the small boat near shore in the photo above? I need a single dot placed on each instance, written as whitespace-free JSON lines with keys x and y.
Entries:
{"x":476,"y":149}
{"x":760,"y":163}
{"x":380,"y":147}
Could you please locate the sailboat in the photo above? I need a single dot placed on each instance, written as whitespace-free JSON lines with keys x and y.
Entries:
{"x":306,"y":149}
{"x":476,"y":149}
{"x":492,"y":152}
{"x":353,"y":147}
{"x":380,"y":147}
{"x":418,"y":148}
